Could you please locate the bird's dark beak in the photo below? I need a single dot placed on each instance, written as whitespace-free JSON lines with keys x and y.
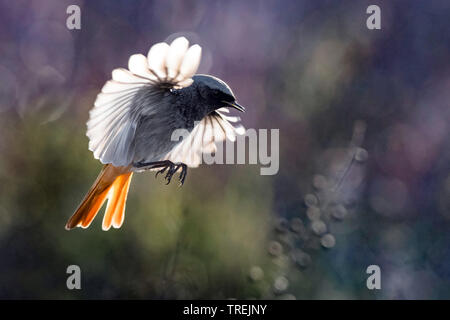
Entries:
{"x":235,"y":105}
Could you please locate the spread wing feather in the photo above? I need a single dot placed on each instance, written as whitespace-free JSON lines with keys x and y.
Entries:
{"x":213,"y":128}
{"x":113,"y":120}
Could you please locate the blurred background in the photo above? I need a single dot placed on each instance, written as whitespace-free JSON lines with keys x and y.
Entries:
{"x":373,"y":101}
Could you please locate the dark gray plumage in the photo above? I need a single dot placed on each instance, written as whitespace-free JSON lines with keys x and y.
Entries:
{"x":163,"y":111}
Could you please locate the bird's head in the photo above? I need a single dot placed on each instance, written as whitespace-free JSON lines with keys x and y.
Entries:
{"x":216,"y":92}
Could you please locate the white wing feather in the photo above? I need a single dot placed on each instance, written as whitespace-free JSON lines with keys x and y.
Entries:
{"x":190,"y":63}
{"x":157,"y":59}
{"x":177,"y":50}
{"x":212,"y":129}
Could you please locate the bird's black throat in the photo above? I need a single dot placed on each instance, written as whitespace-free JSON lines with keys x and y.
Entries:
{"x":192,"y":105}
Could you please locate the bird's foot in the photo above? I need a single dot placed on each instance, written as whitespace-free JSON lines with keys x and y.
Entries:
{"x":171,"y":169}
{"x":168,"y":166}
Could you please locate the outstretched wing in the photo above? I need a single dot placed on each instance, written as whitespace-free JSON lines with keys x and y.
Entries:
{"x":214,"y":128}
{"x":113,"y":120}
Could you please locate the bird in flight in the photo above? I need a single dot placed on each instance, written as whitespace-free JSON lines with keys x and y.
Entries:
{"x":131,"y":125}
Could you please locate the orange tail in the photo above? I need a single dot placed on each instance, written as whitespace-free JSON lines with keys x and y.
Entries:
{"x":112,"y":183}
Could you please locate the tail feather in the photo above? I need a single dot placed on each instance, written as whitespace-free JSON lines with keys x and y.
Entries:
{"x":91,"y":209}
{"x":110,"y":184}
{"x":116,"y":201}
{"x":119,"y":213}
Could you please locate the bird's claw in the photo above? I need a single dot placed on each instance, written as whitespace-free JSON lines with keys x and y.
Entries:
{"x":170,"y":173}
{"x":160,"y":171}
{"x":172,"y":169}
{"x":183,"y":174}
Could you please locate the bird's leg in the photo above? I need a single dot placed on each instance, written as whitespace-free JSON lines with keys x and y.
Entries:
{"x":152,"y":165}
{"x":165,"y":165}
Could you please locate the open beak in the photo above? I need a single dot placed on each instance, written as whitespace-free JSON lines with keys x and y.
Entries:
{"x":235,"y":105}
